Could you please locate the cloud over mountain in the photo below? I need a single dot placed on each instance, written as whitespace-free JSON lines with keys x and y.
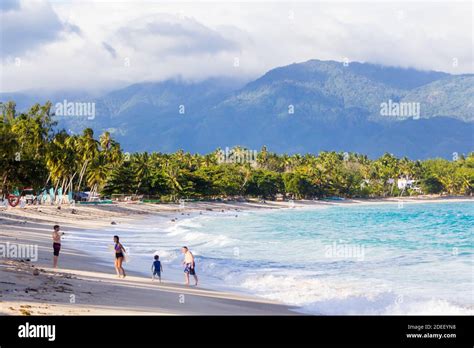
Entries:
{"x":107,"y":45}
{"x":26,"y":26}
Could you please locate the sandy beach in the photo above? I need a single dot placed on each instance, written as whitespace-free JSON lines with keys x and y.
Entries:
{"x":84,"y":285}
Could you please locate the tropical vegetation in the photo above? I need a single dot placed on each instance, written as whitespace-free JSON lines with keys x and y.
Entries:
{"x":36,"y":154}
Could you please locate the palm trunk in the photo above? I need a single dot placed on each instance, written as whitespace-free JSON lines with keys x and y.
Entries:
{"x":93,"y":191}
{"x":56,"y":189}
{"x":71,"y":180}
{"x":62,"y":184}
{"x":47,"y":180}
{"x":83,"y":170}
{"x":64,"y":188}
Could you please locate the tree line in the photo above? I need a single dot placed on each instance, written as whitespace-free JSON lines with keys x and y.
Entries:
{"x":36,"y":154}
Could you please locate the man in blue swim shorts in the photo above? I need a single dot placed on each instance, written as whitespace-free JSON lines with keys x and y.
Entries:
{"x":189,"y":264}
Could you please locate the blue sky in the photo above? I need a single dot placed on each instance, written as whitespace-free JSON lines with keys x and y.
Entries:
{"x":98,"y":45}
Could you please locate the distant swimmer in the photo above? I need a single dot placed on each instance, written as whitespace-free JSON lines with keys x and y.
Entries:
{"x":119,"y":256}
{"x":190,"y":265}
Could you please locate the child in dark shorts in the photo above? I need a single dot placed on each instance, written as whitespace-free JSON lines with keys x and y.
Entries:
{"x":56,"y":244}
{"x":156,"y":268}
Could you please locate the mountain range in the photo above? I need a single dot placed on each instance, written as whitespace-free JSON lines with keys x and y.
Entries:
{"x":303,"y":107}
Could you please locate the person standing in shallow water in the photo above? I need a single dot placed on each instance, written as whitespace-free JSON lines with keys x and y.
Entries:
{"x":56,"y":244}
{"x":119,"y":256}
{"x":190,"y":265}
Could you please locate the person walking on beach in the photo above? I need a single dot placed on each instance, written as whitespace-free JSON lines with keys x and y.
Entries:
{"x":190,"y":266}
{"x":119,"y":256}
{"x":156,"y":268}
{"x":56,"y":244}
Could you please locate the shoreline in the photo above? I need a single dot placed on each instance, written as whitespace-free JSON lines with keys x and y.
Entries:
{"x":85,"y":285}
{"x":92,"y":285}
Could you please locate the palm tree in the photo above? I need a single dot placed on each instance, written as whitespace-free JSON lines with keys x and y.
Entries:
{"x":262,"y":157}
{"x":87,"y":147}
{"x":246,"y":171}
{"x":97,"y":174}
{"x":141,"y":165}
{"x":172,"y":174}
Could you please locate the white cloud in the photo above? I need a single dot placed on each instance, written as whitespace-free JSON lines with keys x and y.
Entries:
{"x":199,"y":40}
{"x":26,"y":27}
{"x":172,"y":35}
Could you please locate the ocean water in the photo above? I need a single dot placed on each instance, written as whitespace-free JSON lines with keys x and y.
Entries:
{"x":354,"y":259}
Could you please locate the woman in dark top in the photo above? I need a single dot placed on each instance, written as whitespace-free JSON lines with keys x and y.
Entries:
{"x":119,"y":256}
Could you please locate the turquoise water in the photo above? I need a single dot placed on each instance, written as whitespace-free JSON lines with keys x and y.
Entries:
{"x":360,"y":259}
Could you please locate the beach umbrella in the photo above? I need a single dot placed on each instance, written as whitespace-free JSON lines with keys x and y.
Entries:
{"x":51,"y":195}
{"x":60,"y":194}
